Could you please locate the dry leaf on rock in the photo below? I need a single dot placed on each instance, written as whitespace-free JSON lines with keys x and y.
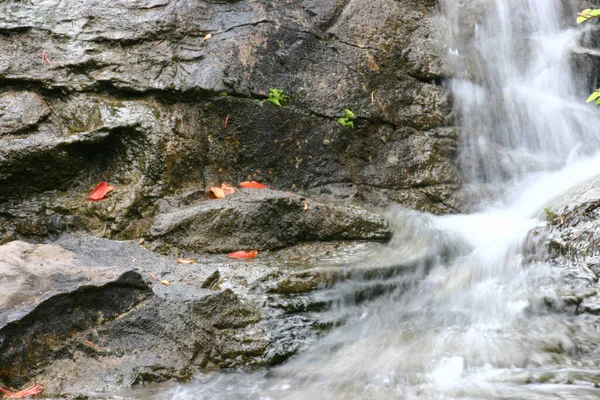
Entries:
{"x":228,"y":189}
{"x":32,"y":390}
{"x":216,"y":191}
{"x":252,"y":185}
{"x":186,"y":261}
{"x":243,"y":254}
{"x":101,"y":190}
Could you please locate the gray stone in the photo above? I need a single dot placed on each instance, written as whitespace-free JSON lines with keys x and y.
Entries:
{"x":76,"y":315}
{"x":20,"y":111}
{"x":265,"y":220}
{"x":135,"y":95}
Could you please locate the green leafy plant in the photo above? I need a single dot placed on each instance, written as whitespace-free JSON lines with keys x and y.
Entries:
{"x":583,"y":16}
{"x":277,"y":97}
{"x":587,"y":14}
{"x":550,"y":216}
{"x":347,"y":121}
{"x":594,"y":96}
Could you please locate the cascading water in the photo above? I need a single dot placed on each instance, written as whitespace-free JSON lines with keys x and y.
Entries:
{"x":515,"y":88}
{"x":472,"y":323}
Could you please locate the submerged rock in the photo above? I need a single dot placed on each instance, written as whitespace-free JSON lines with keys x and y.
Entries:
{"x":571,"y":239}
{"x":264,"y":220}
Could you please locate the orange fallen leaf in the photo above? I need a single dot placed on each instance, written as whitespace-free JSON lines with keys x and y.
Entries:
{"x":207,"y":36}
{"x":243,"y":254}
{"x":45,"y":57}
{"x":186,"y":261}
{"x":228,"y":189}
{"x":216,"y":191}
{"x":32,"y":390}
{"x":305,"y":205}
{"x":166,"y":283}
{"x":101,"y":190}
{"x":92,"y":345}
{"x":252,"y":185}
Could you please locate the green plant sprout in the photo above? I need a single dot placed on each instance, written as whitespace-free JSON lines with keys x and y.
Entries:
{"x":595,"y":96}
{"x":583,"y":16}
{"x":587,"y":14}
{"x":348,"y":120}
{"x":277,"y":97}
{"x":550,"y":216}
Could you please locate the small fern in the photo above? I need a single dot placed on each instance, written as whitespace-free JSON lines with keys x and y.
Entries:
{"x":277,"y":97}
{"x":347,"y":121}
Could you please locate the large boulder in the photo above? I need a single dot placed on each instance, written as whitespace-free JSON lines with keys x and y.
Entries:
{"x":262,"y":219}
{"x":88,"y":315}
{"x":85,"y":315}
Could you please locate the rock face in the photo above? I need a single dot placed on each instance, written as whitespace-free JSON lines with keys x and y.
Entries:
{"x":571,"y":240}
{"x":164,"y":97}
{"x":137,"y":93}
{"x":93,"y":319}
{"x":572,"y":236}
{"x":262,"y":219}
{"x":85,"y":315}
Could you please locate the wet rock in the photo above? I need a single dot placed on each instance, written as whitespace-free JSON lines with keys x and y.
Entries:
{"x":571,"y":239}
{"x":136,"y":95}
{"x":48,"y":300}
{"x":92,"y":318}
{"x":20,"y":111}
{"x":265,"y":220}
{"x":76,"y":321}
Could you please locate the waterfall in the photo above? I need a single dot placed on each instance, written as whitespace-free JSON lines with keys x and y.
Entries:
{"x":473,"y":323}
{"x":520,"y":107}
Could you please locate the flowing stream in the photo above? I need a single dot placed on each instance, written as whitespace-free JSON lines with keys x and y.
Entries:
{"x":473,"y":321}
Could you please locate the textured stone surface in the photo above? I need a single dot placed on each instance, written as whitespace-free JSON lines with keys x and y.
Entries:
{"x":91,"y":318}
{"x":135,"y":94}
{"x":571,"y":240}
{"x":263,"y":219}
{"x":84,"y":314}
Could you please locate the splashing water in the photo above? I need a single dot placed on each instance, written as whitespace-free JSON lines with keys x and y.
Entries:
{"x":521,"y":109}
{"x":473,"y":323}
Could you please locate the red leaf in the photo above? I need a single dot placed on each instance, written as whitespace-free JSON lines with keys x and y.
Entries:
{"x":32,"y":390}
{"x":226,"y":121}
{"x":100,"y":191}
{"x":228,"y":189}
{"x":45,"y":57}
{"x":243,"y":254}
{"x":216,"y":191}
{"x":252,"y":185}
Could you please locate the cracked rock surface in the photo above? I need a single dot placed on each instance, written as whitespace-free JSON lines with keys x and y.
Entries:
{"x":262,"y":219}
{"x":137,"y":93}
{"x":85,"y":315}
{"x":161,"y":98}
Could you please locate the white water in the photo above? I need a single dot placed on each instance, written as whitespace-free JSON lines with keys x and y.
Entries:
{"x":476,"y":326}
